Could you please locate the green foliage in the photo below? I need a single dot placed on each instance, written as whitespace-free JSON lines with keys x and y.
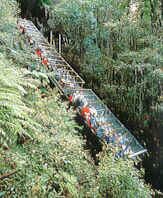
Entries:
{"x":45,"y":2}
{"x":14,"y":116}
{"x":14,"y":113}
{"x":55,"y":163}
{"x":117,"y":56}
{"x":118,"y":181}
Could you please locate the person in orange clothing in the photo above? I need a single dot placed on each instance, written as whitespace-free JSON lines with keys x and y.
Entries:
{"x":86,"y":114}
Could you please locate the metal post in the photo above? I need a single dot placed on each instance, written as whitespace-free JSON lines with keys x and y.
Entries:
{"x":51,"y":37}
{"x":59,"y":44}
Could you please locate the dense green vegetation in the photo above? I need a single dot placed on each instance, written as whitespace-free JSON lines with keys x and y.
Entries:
{"x":116,"y":45}
{"x":117,"y":48}
{"x":43,"y":152}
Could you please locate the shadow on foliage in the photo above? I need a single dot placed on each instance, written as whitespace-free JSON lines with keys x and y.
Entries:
{"x":93,"y":143}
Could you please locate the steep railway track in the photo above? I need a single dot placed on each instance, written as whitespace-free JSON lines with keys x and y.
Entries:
{"x":95,"y":114}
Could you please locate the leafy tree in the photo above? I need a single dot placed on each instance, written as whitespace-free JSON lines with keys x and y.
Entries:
{"x":113,"y":51}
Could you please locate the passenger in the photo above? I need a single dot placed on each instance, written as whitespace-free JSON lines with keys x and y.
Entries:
{"x":86,"y":114}
{"x":70,"y":99}
{"x":38,"y":52}
{"x":93,"y":119}
{"x":100,"y":132}
{"x":111,"y":139}
{"x":44,"y":52}
{"x":85,"y":111}
{"x":63,"y":82}
{"x":93,"y":123}
{"x":93,"y":111}
{"x":108,"y":139}
{"x":44,"y":61}
{"x":79,"y":100}
{"x":70,"y":102}
{"x":22,"y":29}
{"x":106,"y":133}
{"x":31,"y":41}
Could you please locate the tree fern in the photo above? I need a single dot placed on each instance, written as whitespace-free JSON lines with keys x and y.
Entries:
{"x":14,"y":112}
{"x":15,"y":115}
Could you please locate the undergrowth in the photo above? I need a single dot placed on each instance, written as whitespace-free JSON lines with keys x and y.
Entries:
{"x":55,"y":163}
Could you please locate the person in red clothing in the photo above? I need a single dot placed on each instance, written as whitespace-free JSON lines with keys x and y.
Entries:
{"x":86,"y":112}
{"x":38,"y":52}
{"x":70,"y":99}
{"x":44,"y":61}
